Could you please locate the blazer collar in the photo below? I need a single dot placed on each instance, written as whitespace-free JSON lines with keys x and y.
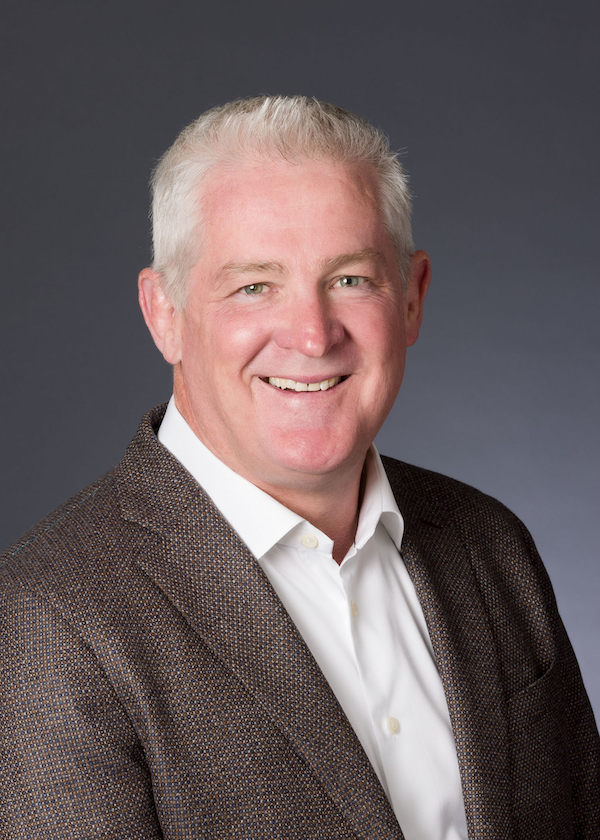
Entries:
{"x":439,"y":563}
{"x":215,"y":582}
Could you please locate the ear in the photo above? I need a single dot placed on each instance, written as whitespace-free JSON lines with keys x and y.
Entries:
{"x":414,"y":297}
{"x":160,"y":315}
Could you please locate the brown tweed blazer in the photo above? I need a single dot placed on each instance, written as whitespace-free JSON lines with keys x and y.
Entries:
{"x":153,"y":686}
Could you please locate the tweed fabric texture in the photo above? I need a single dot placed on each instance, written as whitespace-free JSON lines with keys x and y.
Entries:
{"x":153,"y":686}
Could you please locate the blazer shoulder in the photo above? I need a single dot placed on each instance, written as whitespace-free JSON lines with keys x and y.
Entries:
{"x":90,"y":525}
{"x":489,"y":530}
{"x":65,"y":536}
{"x":499,"y":545}
{"x":448,"y":495}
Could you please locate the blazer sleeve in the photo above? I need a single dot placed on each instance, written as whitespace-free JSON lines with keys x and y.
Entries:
{"x":71,"y":765}
{"x":584,"y":750}
{"x":583,"y":741}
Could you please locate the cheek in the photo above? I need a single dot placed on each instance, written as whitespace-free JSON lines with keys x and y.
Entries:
{"x":226,"y":342}
{"x":242,"y":336}
{"x":384,"y":346}
{"x":382,"y":335}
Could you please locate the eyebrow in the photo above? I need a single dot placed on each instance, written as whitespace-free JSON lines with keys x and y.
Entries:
{"x":251,"y":267}
{"x":330,"y":264}
{"x":356,"y":256}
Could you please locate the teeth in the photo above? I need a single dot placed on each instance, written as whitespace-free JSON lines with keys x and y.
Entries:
{"x":291,"y":385}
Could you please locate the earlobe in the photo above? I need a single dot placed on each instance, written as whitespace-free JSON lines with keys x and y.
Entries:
{"x":418,"y":284}
{"x":159,"y":315}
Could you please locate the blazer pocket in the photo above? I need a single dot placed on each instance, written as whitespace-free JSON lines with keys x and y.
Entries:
{"x":542,"y":804}
{"x":535,"y":697}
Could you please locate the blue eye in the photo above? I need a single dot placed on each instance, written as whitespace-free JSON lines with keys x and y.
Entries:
{"x":253,"y":288}
{"x":349,"y":280}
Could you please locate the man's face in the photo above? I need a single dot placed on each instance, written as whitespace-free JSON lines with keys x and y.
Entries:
{"x":290,"y":351}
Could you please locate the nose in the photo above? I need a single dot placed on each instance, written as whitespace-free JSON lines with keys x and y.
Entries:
{"x":309,"y":325}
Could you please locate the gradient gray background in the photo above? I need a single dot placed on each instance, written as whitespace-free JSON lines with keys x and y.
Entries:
{"x":496,"y":105}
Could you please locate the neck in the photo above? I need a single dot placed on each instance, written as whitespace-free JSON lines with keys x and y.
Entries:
{"x":334,"y":511}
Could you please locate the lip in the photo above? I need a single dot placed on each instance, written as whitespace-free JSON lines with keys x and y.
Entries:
{"x":309,"y":380}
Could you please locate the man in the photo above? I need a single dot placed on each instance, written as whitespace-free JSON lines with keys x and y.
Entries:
{"x":253,"y":627}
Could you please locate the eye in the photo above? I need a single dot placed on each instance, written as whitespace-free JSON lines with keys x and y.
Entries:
{"x":253,"y":289}
{"x":349,"y":280}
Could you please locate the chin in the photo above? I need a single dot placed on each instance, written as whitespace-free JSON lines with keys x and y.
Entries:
{"x":310,"y":456}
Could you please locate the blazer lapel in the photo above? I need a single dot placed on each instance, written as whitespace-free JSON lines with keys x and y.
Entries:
{"x":439,"y":565}
{"x":215,"y":582}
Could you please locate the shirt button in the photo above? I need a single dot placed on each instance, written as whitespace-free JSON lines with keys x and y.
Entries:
{"x":393,"y":725}
{"x":309,"y":541}
{"x":353,"y":609}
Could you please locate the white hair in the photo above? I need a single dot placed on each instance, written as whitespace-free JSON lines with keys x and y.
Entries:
{"x":291,"y":128}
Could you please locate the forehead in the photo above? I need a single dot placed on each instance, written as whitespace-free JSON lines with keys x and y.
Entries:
{"x":266,"y":180}
{"x":305,"y":206}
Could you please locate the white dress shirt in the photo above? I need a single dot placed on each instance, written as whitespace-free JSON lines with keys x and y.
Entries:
{"x":362,"y":622}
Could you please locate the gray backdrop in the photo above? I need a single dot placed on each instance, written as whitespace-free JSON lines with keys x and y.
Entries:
{"x":496,"y":105}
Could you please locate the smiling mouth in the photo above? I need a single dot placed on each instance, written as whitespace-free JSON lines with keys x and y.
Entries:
{"x":292,"y":385}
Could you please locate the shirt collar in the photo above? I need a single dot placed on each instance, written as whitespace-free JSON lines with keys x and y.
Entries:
{"x":259,"y":519}
{"x":378,"y":504}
